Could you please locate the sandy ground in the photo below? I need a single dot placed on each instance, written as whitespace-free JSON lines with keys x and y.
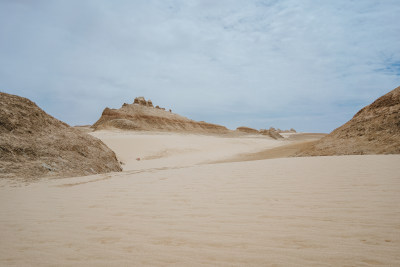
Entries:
{"x":158,"y":150}
{"x":321,"y":211}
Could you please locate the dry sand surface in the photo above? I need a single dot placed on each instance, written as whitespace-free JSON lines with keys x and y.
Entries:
{"x":157,"y":150}
{"x":169,"y":210}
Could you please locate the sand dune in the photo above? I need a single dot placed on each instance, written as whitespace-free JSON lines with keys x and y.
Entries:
{"x":295,"y":142}
{"x":321,"y":211}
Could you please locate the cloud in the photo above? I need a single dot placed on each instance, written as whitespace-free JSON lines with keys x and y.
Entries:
{"x":258,"y":63}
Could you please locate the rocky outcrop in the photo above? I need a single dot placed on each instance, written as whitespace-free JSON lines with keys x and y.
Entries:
{"x":248,"y":130}
{"x":285,"y":131}
{"x":271,"y":133}
{"x":33,"y":144}
{"x":142,"y":116}
{"x":142,"y":101}
{"x":375,"y":129}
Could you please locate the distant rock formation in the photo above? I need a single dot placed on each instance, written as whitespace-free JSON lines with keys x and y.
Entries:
{"x":33,"y":144}
{"x":285,"y":131}
{"x":143,"y":116}
{"x":271,"y":133}
{"x":375,"y":129}
{"x":142,"y":101}
{"x":248,"y":130}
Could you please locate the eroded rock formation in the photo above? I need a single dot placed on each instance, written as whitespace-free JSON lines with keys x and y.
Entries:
{"x":271,"y":133}
{"x":248,"y":130}
{"x":375,"y":129}
{"x":142,"y":116}
{"x":33,"y":144}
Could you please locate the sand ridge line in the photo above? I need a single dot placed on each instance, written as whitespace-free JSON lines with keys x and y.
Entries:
{"x":283,"y":151}
{"x":85,"y":182}
{"x":124,"y":173}
{"x":166,"y":153}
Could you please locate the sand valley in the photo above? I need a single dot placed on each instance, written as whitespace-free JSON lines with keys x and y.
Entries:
{"x":187,"y":193}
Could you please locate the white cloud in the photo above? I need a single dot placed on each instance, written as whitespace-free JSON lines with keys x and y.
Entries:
{"x":259,"y":63}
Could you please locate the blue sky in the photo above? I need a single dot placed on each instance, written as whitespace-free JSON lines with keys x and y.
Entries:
{"x":310,"y":65}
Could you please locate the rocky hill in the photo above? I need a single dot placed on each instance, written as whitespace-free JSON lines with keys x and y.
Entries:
{"x":375,"y":129}
{"x":141,"y":115}
{"x":34,"y":144}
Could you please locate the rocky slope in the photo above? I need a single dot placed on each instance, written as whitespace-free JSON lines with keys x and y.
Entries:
{"x":141,"y":115}
{"x":34,"y":144}
{"x":375,"y":129}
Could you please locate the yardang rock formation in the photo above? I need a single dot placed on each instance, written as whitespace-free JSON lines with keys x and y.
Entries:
{"x":142,"y":116}
{"x":248,"y":130}
{"x":33,"y":144}
{"x":375,"y":129}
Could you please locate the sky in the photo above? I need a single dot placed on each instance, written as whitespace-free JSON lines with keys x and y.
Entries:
{"x":308,"y":65}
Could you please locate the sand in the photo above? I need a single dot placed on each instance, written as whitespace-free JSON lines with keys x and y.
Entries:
{"x":319,"y":211}
{"x":159,"y":150}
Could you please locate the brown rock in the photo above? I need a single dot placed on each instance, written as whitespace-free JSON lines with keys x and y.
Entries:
{"x":33,"y":144}
{"x":140,"y":100}
{"x":271,"y":133}
{"x":375,"y":129}
{"x":244,"y":129}
{"x":142,"y":117}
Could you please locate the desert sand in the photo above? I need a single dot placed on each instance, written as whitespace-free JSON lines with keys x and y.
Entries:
{"x":163,"y":149}
{"x":174,"y":207}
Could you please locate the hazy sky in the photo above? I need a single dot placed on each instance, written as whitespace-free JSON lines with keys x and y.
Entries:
{"x":310,"y":65}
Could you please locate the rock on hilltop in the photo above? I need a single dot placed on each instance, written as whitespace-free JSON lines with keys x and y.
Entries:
{"x":34,"y":144}
{"x":375,"y":129}
{"x":141,"y":115}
